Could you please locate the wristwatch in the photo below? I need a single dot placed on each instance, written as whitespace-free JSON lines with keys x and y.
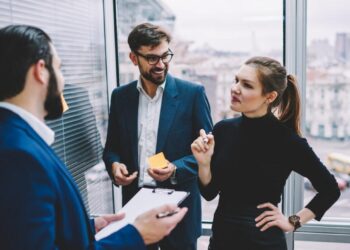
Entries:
{"x":295,"y":221}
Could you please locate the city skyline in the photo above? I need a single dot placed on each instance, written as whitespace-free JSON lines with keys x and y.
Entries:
{"x":253,"y":29}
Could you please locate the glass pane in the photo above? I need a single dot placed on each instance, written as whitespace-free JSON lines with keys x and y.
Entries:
{"x":327,"y":126}
{"x":217,"y":41}
{"x":209,"y":46}
{"x":311,"y":245}
{"x":80,"y":133}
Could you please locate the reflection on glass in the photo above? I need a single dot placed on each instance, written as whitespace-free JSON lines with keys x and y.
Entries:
{"x":327,"y":125}
{"x":209,"y":48}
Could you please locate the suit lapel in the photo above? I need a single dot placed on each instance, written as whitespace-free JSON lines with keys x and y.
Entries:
{"x":17,"y":121}
{"x":131,"y":116}
{"x":62,"y":168}
{"x":70,"y":181}
{"x":167,"y":112}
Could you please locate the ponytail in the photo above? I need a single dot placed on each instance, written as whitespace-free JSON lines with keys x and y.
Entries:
{"x":289,"y":107}
{"x":273,"y":76}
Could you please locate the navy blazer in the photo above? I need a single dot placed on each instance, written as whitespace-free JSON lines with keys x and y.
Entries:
{"x":184,"y":111}
{"x":40,"y":204}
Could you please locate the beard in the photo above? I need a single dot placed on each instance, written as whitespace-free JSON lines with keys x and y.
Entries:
{"x":153,"y":77}
{"x":53,"y":103}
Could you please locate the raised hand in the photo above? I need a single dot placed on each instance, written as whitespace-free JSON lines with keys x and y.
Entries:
{"x":203,"y":148}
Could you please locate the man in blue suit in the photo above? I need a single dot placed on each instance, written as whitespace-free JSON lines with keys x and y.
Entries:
{"x":157,"y":113}
{"x":40,"y":207}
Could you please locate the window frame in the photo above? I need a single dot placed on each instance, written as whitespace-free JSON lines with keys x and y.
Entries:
{"x":330,"y":229}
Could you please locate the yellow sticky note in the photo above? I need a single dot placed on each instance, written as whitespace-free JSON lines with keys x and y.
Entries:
{"x":157,"y":161}
{"x":64,"y":104}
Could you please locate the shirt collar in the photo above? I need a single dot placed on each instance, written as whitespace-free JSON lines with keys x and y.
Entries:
{"x":141,"y":89}
{"x":47,"y":134}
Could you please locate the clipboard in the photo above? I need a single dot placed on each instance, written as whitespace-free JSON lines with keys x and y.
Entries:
{"x":144,"y":200}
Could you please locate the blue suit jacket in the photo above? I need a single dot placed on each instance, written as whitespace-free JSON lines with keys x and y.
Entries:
{"x":184,"y":111}
{"x":40,"y":206}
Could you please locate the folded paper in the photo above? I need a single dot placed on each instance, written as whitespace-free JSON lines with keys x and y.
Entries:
{"x":64,"y":104}
{"x":157,"y":161}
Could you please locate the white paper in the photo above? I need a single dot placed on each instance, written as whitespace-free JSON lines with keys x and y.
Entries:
{"x":146,"y":199}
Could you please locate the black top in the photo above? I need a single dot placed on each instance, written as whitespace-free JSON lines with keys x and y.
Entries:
{"x":252,"y":160}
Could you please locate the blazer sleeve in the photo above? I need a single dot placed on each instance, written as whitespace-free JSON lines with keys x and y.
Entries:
{"x":309,"y":165}
{"x":112,"y":147}
{"x":187,"y":165}
{"x":127,"y":238}
{"x":27,"y":209}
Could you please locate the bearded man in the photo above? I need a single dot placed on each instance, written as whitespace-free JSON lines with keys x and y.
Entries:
{"x":40,"y":204}
{"x":157,"y":113}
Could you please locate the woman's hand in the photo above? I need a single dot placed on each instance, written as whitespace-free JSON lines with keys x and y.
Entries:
{"x":272,"y":218}
{"x":203,"y":148}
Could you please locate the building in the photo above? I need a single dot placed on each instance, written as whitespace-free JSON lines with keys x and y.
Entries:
{"x":342,"y":47}
{"x":328,"y":102}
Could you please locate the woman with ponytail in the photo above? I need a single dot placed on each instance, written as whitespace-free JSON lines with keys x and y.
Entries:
{"x":252,"y":157}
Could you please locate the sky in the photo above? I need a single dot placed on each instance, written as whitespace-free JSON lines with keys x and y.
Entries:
{"x":244,"y":25}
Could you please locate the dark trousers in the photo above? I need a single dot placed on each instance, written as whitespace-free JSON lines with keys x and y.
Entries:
{"x":240,"y":233}
{"x":165,"y":245}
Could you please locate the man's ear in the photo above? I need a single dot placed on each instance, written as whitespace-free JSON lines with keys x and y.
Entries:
{"x":133,"y":58}
{"x":271,"y":97}
{"x":40,"y":72}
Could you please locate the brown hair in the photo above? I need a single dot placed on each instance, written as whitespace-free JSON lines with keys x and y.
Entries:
{"x":273,"y":77}
{"x":147,"y":34}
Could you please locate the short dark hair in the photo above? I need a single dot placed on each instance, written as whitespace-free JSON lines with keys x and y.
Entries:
{"x":147,"y":34}
{"x":20,"y":47}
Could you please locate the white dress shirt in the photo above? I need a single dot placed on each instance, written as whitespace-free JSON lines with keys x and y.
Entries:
{"x":148,"y":121}
{"x":47,"y":134}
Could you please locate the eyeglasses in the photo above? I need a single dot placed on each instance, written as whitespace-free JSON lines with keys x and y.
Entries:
{"x":154,"y":59}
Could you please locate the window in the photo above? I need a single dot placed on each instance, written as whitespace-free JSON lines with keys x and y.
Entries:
{"x":209,"y":48}
{"x":211,"y":45}
{"x":321,"y":71}
{"x":328,"y":60}
{"x":77,"y":30}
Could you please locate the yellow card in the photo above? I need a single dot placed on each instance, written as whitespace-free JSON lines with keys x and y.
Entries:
{"x":64,"y":104}
{"x":157,"y":161}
